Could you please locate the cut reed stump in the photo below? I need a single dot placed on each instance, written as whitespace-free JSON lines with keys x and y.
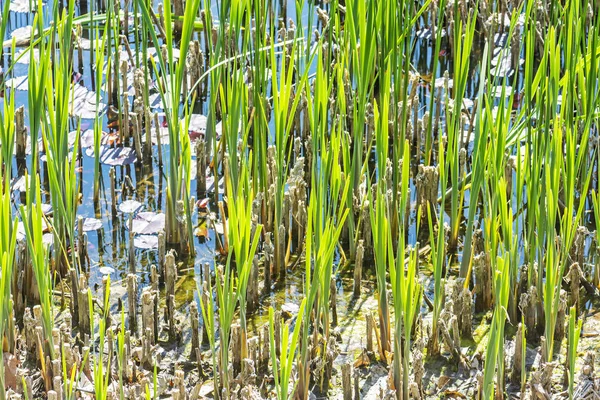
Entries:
{"x":21,"y":133}
{"x":131,"y":246}
{"x":170,"y":278}
{"x":370,"y":326}
{"x":132,"y":302}
{"x":518,"y":356}
{"x":235,"y":348}
{"x":195,"y":327}
{"x":426,"y":183}
{"x":84,"y":306}
{"x":483,"y":282}
{"x":347,"y":380}
{"x":201,"y":169}
{"x":528,"y":306}
{"x":148,"y":316}
{"x":559,"y":329}
{"x":574,"y":276}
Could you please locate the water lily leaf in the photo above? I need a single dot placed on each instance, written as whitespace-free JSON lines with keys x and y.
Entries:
{"x":146,"y":242}
{"x":130,"y":206}
{"x":91,"y":224}
{"x":24,"y":56}
{"x":210,"y":184}
{"x":219,"y":228}
{"x":106,"y":270}
{"x":148,"y":223}
{"x":164,"y":135}
{"x":441,"y":83}
{"x":197,"y":124}
{"x":83,"y":43}
{"x":497,"y":91}
{"x":24,"y":6}
{"x":18,"y":184}
{"x":83,"y":103}
{"x":114,"y":156}
{"x":48,"y":238}
{"x":425,"y":33}
{"x":22,"y":34}
{"x":502,"y":65}
{"x":18,"y":83}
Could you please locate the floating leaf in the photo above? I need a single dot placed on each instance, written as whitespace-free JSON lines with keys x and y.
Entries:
{"x":83,"y":103}
{"x":146,"y":242}
{"x":114,"y":155}
{"x":440,"y":83}
{"x":84,"y":44}
{"x":48,"y":238}
{"x":18,"y":184}
{"x":24,"y":56}
{"x":164,"y":135}
{"x":91,"y":224}
{"x":130,"y":206}
{"x":148,"y":223}
{"x":425,"y":33}
{"x":210,"y":184}
{"x":18,"y":83}
{"x":497,"y":91}
{"x":22,"y":34}
{"x":106,"y":270}
{"x":24,"y":6}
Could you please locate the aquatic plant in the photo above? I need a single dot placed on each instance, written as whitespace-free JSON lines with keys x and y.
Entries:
{"x":8,"y":235}
{"x":283,"y":368}
{"x":173,"y":76}
{"x":33,"y":221}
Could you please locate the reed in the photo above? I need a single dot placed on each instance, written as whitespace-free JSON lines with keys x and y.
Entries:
{"x":33,"y":220}
{"x":283,"y":368}
{"x":321,"y":127}
{"x":494,"y":357}
{"x":173,"y":75}
{"x":8,"y":234}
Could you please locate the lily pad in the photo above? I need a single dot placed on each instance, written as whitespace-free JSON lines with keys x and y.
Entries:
{"x":497,"y":91}
{"x":18,"y":184}
{"x":24,"y":56}
{"x":106,"y":270}
{"x":440,"y":83}
{"x":146,"y":242}
{"x":91,"y":224}
{"x":130,"y":206}
{"x":18,"y":83}
{"x":148,"y":223}
{"x":24,"y":6}
{"x":83,"y":103}
{"x":115,"y":156}
{"x":22,"y":34}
